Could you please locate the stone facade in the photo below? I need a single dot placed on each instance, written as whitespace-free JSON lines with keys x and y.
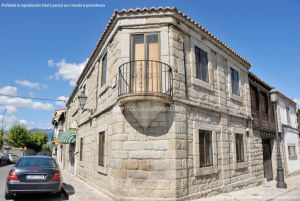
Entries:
{"x":162,"y":161}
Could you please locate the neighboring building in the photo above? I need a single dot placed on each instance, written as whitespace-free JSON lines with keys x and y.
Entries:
{"x":298,"y":119}
{"x":58,"y":123}
{"x":263,"y":124}
{"x":168,"y":111}
{"x":288,"y":127}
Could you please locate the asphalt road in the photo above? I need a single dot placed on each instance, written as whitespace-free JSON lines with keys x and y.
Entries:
{"x":4,"y":169}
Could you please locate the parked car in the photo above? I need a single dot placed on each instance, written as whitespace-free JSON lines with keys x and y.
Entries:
{"x":9,"y":158}
{"x":34,"y":174}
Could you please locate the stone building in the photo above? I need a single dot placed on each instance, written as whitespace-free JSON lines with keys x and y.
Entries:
{"x":164,"y":111}
{"x":59,"y":126}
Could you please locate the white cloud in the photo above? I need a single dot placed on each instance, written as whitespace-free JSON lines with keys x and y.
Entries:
{"x":23,"y":122}
{"x":21,"y":102}
{"x":29,"y":84}
{"x":61,"y":103}
{"x":9,"y":120}
{"x":67,"y":71}
{"x":8,"y":90}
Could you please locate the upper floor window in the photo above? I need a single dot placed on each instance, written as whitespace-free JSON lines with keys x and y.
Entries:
{"x":83,"y":88}
{"x":292,"y":152}
{"x":239,"y":148}
{"x":235,"y":88}
{"x":205,"y":148}
{"x":288,"y":117}
{"x":201,"y":64}
{"x":254,"y":98}
{"x":104,"y":70}
{"x":265,"y":103}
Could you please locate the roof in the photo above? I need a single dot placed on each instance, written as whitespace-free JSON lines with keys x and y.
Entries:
{"x":123,"y":12}
{"x":256,"y":79}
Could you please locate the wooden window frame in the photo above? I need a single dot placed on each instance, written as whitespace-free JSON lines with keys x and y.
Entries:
{"x":207,"y":137}
{"x":292,"y":156}
{"x":239,"y":148}
{"x":103,"y":69}
{"x":235,"y":86}
{"x":198,"y":63}
{"x":81,"y":149}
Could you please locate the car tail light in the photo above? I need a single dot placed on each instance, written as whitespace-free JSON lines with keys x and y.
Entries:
{"x":12,"y":176}
{"x":56,"y":176}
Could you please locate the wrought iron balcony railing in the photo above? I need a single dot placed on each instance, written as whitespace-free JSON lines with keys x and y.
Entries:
{"x":145,"y":77}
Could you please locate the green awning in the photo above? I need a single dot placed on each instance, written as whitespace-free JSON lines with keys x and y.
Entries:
{"x":67,"y":137}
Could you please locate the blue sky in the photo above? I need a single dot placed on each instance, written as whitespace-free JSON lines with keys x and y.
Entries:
{"x":42,"y":50}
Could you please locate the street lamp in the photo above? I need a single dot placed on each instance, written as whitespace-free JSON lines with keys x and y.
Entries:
{"x":82,"y":98}
{"x":280,"y":174}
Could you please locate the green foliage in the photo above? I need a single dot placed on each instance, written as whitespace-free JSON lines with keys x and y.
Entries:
{"x":37,"y":140}
{"x":47,"y":147}
{"x":18,"y":136}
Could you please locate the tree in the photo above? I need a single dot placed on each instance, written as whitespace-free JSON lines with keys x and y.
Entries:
{"x":36,"y":140}
{"x":18,"y":136}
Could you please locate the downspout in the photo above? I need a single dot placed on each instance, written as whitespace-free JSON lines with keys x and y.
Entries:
{"x":186,"y":123}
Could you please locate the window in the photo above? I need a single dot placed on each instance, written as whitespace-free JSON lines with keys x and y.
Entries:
{"x":83,"y":88}
{"x":234,"y":81}
{"x":104,"y":70}
{"x":288,"y":117}
{"x":201,"y":64}
{"x":146,"y":71}
{"x":292,"y":152}
{"x":239,"y":148}
{"x":254,"y":98}
{"x":205,"y":148}
{"x":265,"y":103}
{"x":101,"y":149}
{"x":81,"y":149}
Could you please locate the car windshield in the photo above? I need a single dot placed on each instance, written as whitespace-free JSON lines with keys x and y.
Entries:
{"x":36,"y":162}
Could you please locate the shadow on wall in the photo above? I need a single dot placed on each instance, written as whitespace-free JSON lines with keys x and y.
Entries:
{"x":159,"y":126}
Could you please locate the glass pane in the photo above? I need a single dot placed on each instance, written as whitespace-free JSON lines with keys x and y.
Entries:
{"x":138,"y":55}
{"x":153,"y":68}
{"x":197,"y":58}
{"x":201,"y":149}
{"x":104,"y":70}
{"x":203,"y":56}
{"x":208,"y":146}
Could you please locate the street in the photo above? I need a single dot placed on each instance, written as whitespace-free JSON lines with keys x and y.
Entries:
{"x":4,"y":169}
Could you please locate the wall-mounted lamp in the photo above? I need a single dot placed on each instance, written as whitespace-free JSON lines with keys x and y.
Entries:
{"x":82,"y":98}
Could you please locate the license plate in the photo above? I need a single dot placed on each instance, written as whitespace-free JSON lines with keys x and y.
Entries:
{"x":35,"y":177}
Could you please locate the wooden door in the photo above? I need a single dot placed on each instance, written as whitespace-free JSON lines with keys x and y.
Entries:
{"x":267,"y":159}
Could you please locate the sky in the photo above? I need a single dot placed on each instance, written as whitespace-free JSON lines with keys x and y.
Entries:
{"x":43,"y":50}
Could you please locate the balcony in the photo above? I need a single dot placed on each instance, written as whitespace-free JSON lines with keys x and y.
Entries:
{"x":145,"y":80}
{"x":263,"y":121}
{"x":146,"y":86}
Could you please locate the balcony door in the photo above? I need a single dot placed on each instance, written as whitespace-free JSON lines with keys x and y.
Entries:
{"x":145,"y":66}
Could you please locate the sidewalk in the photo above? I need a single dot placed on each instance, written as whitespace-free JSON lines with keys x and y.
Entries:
{"x":79,"y":190}
{"x":265,"y":192}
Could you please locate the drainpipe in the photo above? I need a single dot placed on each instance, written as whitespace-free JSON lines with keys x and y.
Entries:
{"x":186,"y":123}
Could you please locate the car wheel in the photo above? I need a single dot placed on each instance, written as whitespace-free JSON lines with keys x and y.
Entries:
{"x":9,"y":196}
{"x":57,"y":195}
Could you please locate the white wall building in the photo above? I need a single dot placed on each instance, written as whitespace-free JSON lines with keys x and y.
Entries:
{"x":288,"y":126}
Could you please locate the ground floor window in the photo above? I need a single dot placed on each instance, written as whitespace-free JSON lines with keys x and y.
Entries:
{"x":81,"y":149}
{"x":101,"y":149}
{"x":239,"y":148}
{"x":292,"y":152}
{"x":205,"y":148}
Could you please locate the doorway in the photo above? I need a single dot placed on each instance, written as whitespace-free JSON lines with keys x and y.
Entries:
{"x":267,"y":159}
